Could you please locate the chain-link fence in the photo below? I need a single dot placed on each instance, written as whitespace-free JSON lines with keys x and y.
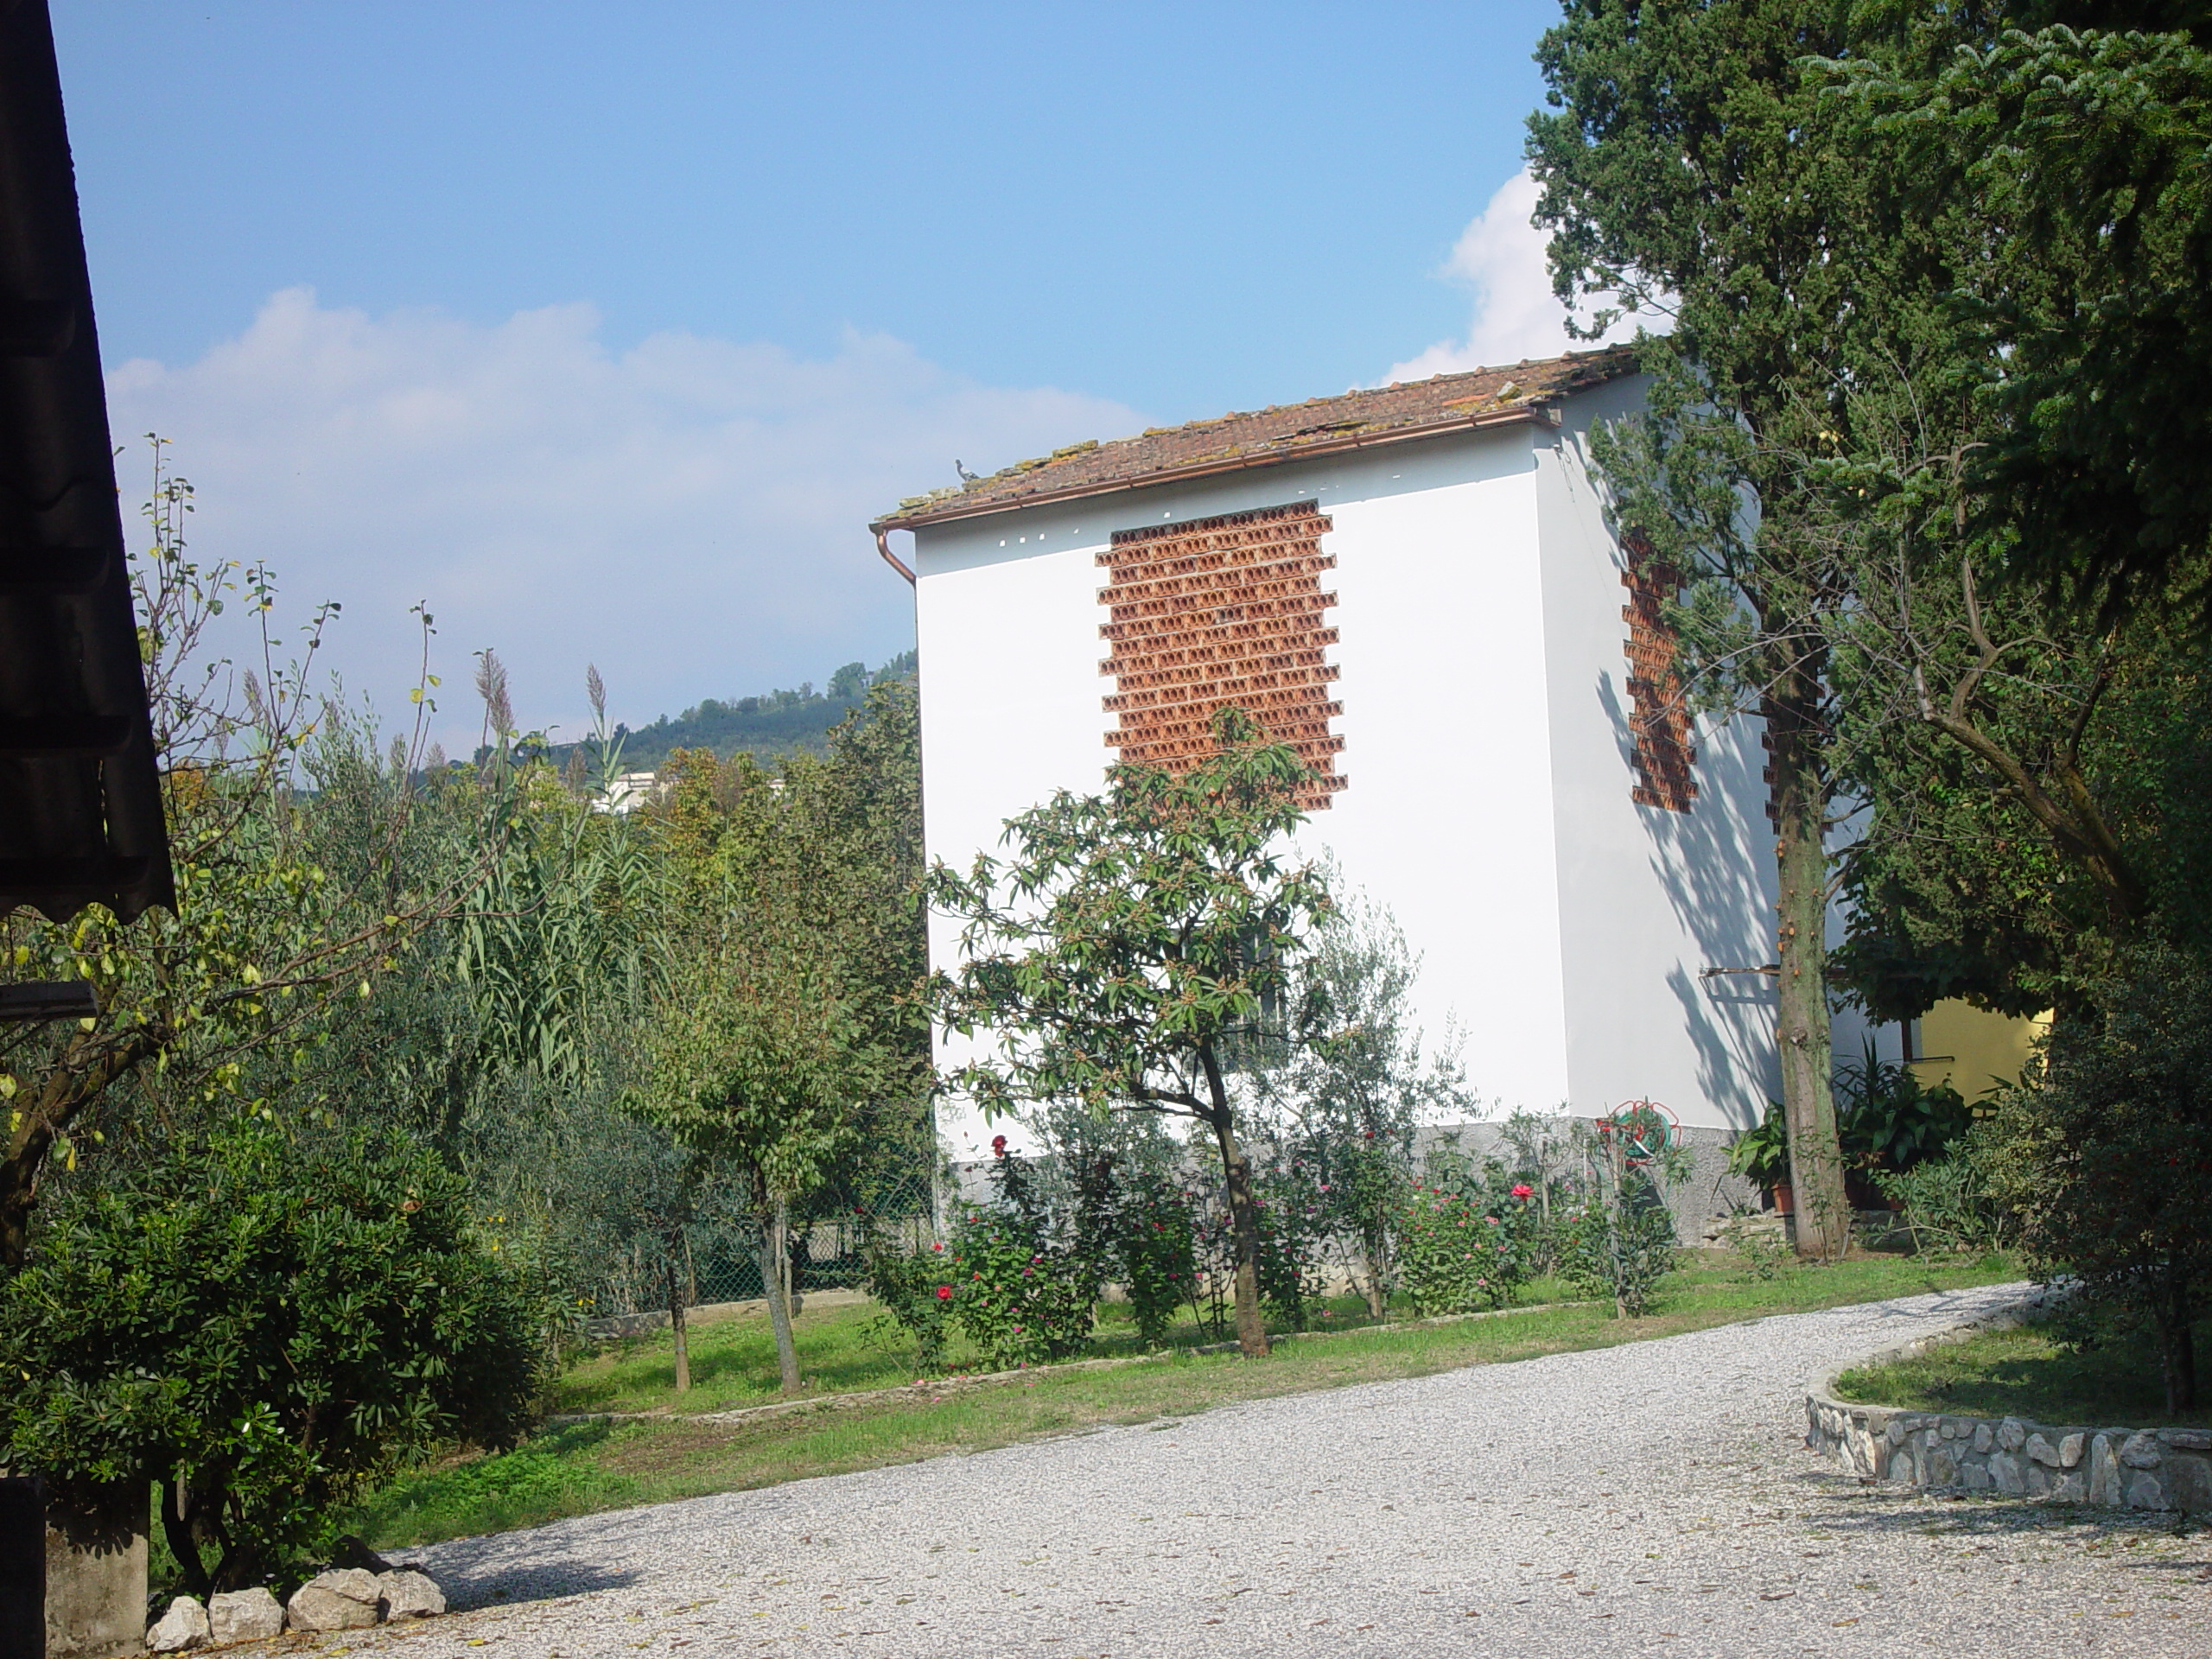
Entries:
{"x":719,"y":1257}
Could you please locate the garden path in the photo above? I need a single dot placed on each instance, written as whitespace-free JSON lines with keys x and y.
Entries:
{"x":1655,"y":1498}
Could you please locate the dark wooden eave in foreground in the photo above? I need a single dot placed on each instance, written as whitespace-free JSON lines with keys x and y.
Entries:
{"x":1521,"y":393}
{"x":81,"y":802}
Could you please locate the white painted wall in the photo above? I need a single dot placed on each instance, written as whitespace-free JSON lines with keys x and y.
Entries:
{"x":1560,"y":928}
{"x":1010,"y":708}
{"x":1651,"y":898}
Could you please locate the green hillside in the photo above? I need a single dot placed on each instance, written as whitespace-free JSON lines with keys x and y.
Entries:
{"x":775,"y":723}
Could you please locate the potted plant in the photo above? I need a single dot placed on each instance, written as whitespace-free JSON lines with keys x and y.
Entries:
{"x":1761,"y":1156}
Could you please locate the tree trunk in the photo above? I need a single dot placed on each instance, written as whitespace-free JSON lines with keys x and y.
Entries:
{"x":676,"y":1320}
{"x":176,"y":1525}
{"x":774,"y":1261}
{"x":1378,"y":1304}
{"x":18,"y":1191}
{"x":1823,"y":1211}
{"x":1244,"y":1224}
{"x":2177,"y":1348}
{"x":794,"y":1290}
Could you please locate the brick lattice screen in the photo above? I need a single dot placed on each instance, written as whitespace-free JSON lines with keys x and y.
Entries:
{"x":1664,"y":754}
{"x":1216,"y":612}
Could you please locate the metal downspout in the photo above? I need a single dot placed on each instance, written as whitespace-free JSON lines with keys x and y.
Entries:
{"x":883,"y":546}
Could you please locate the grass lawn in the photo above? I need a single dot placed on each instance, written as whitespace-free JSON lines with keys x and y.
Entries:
{"x":2028,"y":1372}
{"x":583,"y":1468}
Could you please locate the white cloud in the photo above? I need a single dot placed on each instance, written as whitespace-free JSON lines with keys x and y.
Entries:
{"x":1501,"y":257}
{"x":690,"y":514}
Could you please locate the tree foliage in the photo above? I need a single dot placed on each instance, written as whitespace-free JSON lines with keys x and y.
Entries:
{"x":1127,"y":945}
{"x":263,"y":936}
{"x":791,"y":1036}
{"x":2071,"y":153}
{"x":1688,"y":168}
{"x":263,"y":1327}
{"x":2108,"y":1160}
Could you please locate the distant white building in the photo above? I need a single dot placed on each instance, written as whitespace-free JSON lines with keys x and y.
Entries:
{"x":628,"y":791}
{"x":1418,"y":587}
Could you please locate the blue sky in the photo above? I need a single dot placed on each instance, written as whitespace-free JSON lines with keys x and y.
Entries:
{"x":605,"y":329}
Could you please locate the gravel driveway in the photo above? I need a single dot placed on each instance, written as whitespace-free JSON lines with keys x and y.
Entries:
{"x":1649,"y":1499}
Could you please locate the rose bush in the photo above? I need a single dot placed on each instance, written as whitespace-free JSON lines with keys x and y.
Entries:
{"x":1019,"y":1300}
{"x":1461,"y":1250}
{"x":915,"y":1291}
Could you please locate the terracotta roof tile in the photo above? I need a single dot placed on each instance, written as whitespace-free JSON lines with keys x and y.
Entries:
{"x":1287,"y":432}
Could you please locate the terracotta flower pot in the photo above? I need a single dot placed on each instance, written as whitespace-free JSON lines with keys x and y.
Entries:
{"x":1784,"y":1201}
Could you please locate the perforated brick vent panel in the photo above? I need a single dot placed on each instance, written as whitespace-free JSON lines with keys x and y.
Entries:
{"x":1661,"y":721}
{"x":1220,"y":612}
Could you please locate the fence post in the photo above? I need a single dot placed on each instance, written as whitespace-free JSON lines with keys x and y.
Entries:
{"x":95,"y":1566}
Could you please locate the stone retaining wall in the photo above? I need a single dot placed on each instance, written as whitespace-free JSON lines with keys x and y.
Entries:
{"x":2118,"y":1468}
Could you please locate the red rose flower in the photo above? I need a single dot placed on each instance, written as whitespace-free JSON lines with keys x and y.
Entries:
{"x":1525,"y":1190}
{"x":945,"y":1293}
{"x":998,"y":1145}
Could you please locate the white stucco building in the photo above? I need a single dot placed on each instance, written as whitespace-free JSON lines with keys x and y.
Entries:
{"x":1419,"y":585}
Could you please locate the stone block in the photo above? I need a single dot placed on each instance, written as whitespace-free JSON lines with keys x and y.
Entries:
{"x":2142,"y":1451}
{"x":2070,"y":1489}
{"x":2143,"y":1492}
{"x":245,"y":1615}
{"x":1940,"y":1468}
{"x":344,"y":1599}
{"x":1895,"y":1433}
{"x":2070,"y":1449}
{"x":2186,"y":1439}
{"x":2006,"y":1471}
{"x":1953,"y":1429}
{"x":409,"y":1593}
{"x":184,"y":1627}
{"x":2041,"y":1451}
{"x":2011,"y":1434}
{"x":1973,"y":1474}
{"x":2104,"y":1473}
{"x":1984,"y":1438}
{"x":2039,"y":1481}
{"x":2188,"y":1482}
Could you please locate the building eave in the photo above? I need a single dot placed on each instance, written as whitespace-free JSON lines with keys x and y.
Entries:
{"x":1543,"y":413}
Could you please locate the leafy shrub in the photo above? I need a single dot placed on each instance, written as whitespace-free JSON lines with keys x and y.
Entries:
{"x":2108,"y":1161}
{"x":914,"y":1288}
{"x":1155,"y":1243}
{"x":1616,"y":1234}
{"x":1950,"y":1203}
{"x":1023,"y":1288}
{"x":1761,"y":1155}
{"x":264,"y":1329}
{"x":1887,"y":1119}
{"x":1458,"y":1251}
{"x":1018,"y":1299}
{"x":1296,"y":1220}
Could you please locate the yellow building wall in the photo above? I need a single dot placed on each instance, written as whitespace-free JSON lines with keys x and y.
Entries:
{"x":1972,"y":1049}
